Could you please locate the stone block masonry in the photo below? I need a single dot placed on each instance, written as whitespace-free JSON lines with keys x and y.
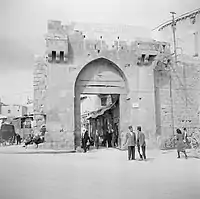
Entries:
{"x":40,"y":86}
{"x":71,"y":52}
{"x":185,"y":96}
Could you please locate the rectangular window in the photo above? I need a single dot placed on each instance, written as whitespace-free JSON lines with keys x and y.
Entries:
{"x":53,"y":55}
{"x":61,"y":56}
{"x":103,"y":101}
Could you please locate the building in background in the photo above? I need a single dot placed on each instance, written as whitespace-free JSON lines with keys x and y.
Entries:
{"x":187,"y":27}
{"x":12,"y":111}
{"x":90,"y":103}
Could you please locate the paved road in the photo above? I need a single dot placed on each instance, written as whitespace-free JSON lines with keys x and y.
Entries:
{"x":98,"y":175}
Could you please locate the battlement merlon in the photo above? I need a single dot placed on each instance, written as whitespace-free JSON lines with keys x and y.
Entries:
{"x":56,"y":29}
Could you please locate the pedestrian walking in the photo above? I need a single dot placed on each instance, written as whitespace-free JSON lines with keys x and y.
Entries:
{"x":85,"y":140}
{"x":185,"y":134}
{"x":97,"y":138}
{"x":180,"y":143}
{"x":141,"y":143}
{"x":18,"y":137}
{"x":114,"y":137}
{"x":42,"y":132}
{"x":131,"y":142}
{"x":109,"y":137}
{"x":116,"y":134}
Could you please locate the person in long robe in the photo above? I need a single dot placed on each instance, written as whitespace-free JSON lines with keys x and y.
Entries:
{"x":180,"y":143}
{"x":85,"y":141}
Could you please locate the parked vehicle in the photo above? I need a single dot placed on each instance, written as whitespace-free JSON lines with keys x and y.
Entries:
{"x":7,"y":133}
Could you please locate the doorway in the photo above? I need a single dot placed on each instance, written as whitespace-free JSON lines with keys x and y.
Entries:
{"x":101,"y":78}
{"x":100,"y":116}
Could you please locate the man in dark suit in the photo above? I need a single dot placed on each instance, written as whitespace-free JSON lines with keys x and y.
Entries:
{"x":131,"y":142}
{"x":141,"y":143}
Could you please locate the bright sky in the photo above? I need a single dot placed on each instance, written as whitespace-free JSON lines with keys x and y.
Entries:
{"x":24,"y":22}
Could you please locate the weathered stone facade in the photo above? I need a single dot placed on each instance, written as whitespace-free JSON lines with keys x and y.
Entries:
{"x":40,"y":86}
{"x":185,"y":75}
{"x":119,"y":67}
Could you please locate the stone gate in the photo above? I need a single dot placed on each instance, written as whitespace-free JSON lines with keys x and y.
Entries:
{"x":71,"y":54}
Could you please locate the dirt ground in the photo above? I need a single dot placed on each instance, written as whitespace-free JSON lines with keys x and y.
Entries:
{"x":101,"y":174}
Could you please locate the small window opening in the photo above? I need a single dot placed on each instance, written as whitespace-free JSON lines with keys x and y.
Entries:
{"x":53,"y":55}
{"x":103,"y":101}
{"x":61,"y":56}
{"x":164,"y":47}
{"x":143,"y":57}
{"x":151,"y":57}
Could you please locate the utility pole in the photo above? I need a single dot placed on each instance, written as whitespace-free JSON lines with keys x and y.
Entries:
{"x":175,"y":63}
{"x":174,"y":35}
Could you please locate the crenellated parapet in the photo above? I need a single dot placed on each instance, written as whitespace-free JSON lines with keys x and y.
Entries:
{"x":64,"y":43}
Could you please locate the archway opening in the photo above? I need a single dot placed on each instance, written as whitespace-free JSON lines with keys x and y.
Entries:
{"x":97,"y":103}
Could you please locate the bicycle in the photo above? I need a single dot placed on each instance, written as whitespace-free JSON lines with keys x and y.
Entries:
{"x":194,"y":143}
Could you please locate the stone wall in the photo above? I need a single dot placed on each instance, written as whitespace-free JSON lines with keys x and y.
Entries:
{"x":134,"y":61}
{"x":40,"y":86}
{"x":185,"y":97}
{"x":185,"y":75}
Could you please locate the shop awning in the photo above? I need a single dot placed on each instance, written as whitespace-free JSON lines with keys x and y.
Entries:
{"x":101,"y":111}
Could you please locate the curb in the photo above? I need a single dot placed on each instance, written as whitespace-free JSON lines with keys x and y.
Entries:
{"x":37,"y":152}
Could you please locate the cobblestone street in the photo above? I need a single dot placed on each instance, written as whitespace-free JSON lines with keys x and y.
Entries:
{"x":98,"y":174}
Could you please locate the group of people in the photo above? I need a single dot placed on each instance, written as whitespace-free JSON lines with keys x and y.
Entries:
{"x":134,"y":139}
{"x":109,"y":139}
{"x":87,"y":140}
{"x":37,"y":138}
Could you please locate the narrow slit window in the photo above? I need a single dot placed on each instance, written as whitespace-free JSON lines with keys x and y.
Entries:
{"x":61,"y":56}
{"x":196,"y":46}
{"x":143,"y":58}
{"x":53,"y":55}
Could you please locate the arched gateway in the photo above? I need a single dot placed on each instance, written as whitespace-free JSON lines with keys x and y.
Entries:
{"x":100,"y":76}
{"x":59,"y":83}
